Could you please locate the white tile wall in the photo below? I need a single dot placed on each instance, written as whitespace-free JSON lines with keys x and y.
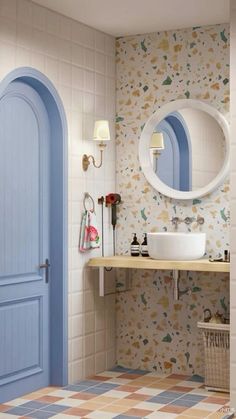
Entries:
{"x":80,"y":61}
{"x":233,"y":203}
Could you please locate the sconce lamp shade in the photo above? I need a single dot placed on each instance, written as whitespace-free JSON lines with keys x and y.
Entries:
{"x":157,"y":141}
{"x":101,"y":134}
{"x":101,"y":131}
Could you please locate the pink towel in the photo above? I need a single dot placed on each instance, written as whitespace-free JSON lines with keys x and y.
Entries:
{"x":89,"y":237}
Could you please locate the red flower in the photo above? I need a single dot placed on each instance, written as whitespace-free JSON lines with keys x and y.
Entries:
{"x":92,"y":233}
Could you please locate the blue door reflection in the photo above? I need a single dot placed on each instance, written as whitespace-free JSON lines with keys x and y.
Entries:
{"x":174,"y":164}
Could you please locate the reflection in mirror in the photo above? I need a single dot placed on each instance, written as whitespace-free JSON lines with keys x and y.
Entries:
{"x":187,"y":149}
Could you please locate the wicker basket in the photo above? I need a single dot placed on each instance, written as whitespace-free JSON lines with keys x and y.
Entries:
{"x":216,"y":349}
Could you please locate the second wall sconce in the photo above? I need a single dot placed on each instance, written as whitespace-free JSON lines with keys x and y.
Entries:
{"x":157,"y":143}
{"x":101,"y":135}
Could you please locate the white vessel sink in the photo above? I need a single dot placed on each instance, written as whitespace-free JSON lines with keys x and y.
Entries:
{"x":176,"y":246}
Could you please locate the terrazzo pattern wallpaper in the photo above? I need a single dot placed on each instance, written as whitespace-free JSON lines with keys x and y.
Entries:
{"x":154,"y":332}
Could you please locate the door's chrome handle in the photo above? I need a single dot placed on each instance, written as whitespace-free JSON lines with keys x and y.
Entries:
{"x":46,"y":266}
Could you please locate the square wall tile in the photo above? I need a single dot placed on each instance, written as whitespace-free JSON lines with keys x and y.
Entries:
{"x":89,"y":345}
{"x":70,"y":54}
{"x":89,"y":323}
{"x":78,"y":54}
{"x":77,"y":78}
{"x":100,"y":362}
{"x":90,"y":59}
{"x":7,"y":30}
{"x":89,"y":366}
{"x":100,"y":41}
{"x":52,"y":22}
{"x":100,"y":339}
{"x":8,"y":8}
{"x":24,"y":11}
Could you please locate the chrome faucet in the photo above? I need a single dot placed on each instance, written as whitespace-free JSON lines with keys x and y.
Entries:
{"x":187,"y":220}
{"x":200,"y":220}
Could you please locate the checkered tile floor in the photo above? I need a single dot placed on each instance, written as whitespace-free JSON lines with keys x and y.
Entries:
{"x":123,"y":394}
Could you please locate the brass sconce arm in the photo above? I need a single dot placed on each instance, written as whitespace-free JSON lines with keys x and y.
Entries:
{"x":86,"y":159}
{"x":156,"y":153}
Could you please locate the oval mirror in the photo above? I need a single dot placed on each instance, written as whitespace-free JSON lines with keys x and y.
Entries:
{"x":184,"y":149}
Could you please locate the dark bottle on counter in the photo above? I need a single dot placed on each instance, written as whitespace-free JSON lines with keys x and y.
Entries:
{"x":134,"y":247}
{"x":144,"y":247}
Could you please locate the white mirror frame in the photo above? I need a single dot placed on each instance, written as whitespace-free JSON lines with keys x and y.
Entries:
{"x":144,"y":150}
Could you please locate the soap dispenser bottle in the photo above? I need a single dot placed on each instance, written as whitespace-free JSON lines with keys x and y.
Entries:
{"x":144,"y":246}
{"x":134,"y":247}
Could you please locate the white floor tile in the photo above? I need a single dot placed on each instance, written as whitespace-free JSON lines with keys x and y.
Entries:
{"x":155,"y":375}
{"x":162,"y":415}
{"x":203,"y":392}
{"x":16,"y":402}
{"x":112,"y":374}
{"x":70,"y":402}
{"x":62,"y":393}
{"x":117,"y":394}
{"x":193,"y":384}
{"x":101,"y":415}
{"x":149,"y":406}
{"x":212,"y":407}
{"x":149,"y":391}
{"x":121,"y":381}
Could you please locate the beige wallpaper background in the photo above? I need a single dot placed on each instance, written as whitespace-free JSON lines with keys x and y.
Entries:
{"x":155,"y":332}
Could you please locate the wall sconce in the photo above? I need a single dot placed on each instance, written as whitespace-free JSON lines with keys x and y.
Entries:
{"x":101,"y":134}
{"x":157,"y":143}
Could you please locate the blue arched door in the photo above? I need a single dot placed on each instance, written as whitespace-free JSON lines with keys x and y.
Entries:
{"x":168,"y":162}
{"x":24,"y":241}
{"x":174,"y":164}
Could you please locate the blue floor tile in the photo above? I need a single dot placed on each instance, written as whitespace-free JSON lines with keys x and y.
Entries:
{"x":95,"y":390}
{"x":182,"y":402}
{"x":40,"y":414}
{"x":120,"y":369}
{"x":171,"y":394}
{"x":108,"y":386}
{"x":74,"y":387}
{"x":88,"y":383}
{"x":193,"y":397}
{"x":196,"y":378}
{"x":129,"y":373}
{"x":19,"y":411}
{"x":34,"y":405}
{"x":161,"y":400}
{"x":56,"y":408}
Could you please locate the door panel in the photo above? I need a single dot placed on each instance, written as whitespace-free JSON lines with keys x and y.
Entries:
{"x":20,"y":320}
{"x":19,"y":188}
{"x":24,"y":240}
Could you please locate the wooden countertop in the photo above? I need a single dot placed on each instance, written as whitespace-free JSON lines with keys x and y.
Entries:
{"x":131,"y":262}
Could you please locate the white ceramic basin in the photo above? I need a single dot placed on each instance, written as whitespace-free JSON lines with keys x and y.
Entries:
{"x":176,"y":246}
